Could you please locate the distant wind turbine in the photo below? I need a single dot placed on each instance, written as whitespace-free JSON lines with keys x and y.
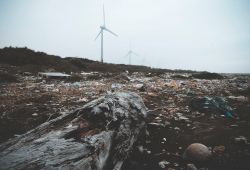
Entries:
{"x":144,"y":61}
{"x":129,"y":53}
{"x":103,"y":27}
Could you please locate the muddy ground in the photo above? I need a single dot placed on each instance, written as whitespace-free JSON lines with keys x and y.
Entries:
{"x":159,"y":143}
{"x":210,"y":130}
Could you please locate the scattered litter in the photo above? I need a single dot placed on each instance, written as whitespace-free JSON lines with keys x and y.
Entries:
{"x":176,"y":128}
{"x":218,"y":149}
{"x":163,"y":163}
{"x":241,"y":140}
{"x":17,"y":135}
{"x":190,"y":92}
{"x":215,"y":105}
{"x":156,"y":124}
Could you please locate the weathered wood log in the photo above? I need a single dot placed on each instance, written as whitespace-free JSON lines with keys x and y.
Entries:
{"x":99,"y":135}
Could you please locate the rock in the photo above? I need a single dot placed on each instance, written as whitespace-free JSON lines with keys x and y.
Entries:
{"x":191,"y":167}
{"x":142,"y":89}
{"x":197,"y":152}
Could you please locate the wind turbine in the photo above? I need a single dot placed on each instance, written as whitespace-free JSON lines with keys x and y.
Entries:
{"x":103,"y":27}
{"x":129,"y":53}
{"x":144,"y":60}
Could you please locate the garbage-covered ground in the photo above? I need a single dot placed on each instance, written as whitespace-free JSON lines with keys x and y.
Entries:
{"x":172,"y":124}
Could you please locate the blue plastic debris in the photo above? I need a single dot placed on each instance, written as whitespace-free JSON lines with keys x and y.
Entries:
{"x":229,"y":114}
{"x":114,"y":85}
{"x":75,"y":85}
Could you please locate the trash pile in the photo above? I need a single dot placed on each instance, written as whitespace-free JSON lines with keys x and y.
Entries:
{"x":216,"y":105}
{"x":181,"y":111}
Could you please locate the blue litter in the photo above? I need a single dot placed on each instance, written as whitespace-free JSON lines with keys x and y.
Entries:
{"x":229,"y":114}
{"x":75,"y":85}
{"x":17,"y":135}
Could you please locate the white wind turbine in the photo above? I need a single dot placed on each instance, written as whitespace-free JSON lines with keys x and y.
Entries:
{"x":144,"y":61}
{"x":103,"y":27}
{"x":129,"y":53}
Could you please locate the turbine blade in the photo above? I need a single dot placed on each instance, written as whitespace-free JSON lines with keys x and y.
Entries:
{"x":110,"y":31}
{"x":134,"y":53}
{"x":126,"y":55}
{"x":98,"y":34}
{"x":103,"y":16}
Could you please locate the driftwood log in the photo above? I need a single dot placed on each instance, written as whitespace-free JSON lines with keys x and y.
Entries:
{"x":98,"y":135}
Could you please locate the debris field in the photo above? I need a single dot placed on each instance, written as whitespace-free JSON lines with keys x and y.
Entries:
{"x":173,"y":123}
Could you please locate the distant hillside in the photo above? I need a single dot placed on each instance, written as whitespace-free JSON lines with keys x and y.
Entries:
{"x":32,"y":61}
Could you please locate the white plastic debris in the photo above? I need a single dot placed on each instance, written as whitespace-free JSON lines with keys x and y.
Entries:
{"x":163,"y":163}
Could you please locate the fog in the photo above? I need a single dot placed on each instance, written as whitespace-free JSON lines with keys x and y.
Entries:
{"x":207,"y":35}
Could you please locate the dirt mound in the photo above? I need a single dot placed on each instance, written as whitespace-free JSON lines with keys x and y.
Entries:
{"x":4,"y":78}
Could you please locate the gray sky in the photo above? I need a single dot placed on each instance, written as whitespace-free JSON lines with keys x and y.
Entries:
{"x":203,"y":35}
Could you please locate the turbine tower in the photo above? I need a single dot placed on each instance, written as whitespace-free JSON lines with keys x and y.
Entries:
{"x":103,"y":27}
{"x":129,"y":53}
{"x":144,"y":61}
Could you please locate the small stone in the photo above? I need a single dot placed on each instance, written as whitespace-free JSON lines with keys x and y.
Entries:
{"x":197,"y":152}
{"x":191,"y":167}
{"x":202,"y":115}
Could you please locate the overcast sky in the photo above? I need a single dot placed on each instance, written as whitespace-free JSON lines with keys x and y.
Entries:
{"x":202,"y":35}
